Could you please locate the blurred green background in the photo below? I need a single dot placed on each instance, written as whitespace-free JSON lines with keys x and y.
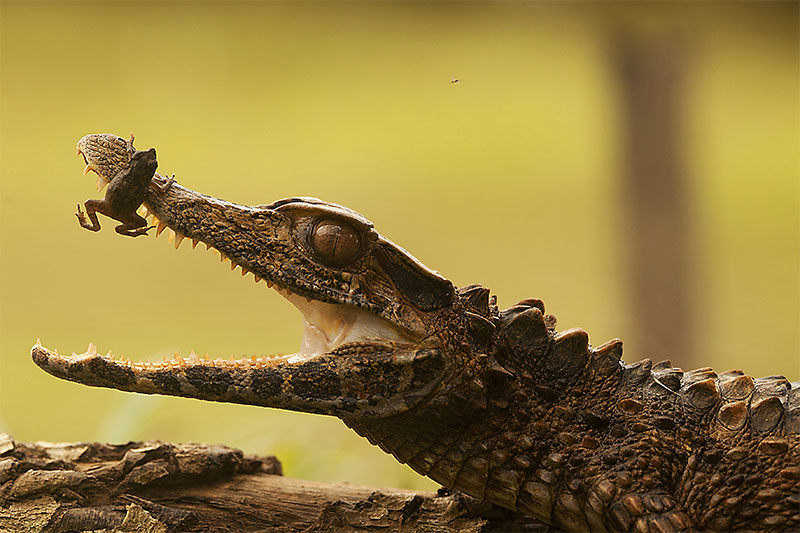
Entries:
{"x":511,"y":178}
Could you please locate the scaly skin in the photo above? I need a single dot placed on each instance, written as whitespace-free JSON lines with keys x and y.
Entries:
{"x":493,"y":403}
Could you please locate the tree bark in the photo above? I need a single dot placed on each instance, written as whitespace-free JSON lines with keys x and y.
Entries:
{"x":158,"y":487}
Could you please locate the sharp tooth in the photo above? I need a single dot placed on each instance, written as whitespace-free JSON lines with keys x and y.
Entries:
{"x":222,"y":257}
{"x":155,"y":218}
{"x":145,"y":211}
{"x":110,"y":355}
{"x":192,"y":356}
{"x":244,"y":271}
{"x":233,"y":265}
{"x":38,"y":341}
{"x":194,"y":243}
{"x":92,"y":349}
{"x":178,"y":239}
{"x":171,"y":235}
{"x":101,"y":184}
{"x":256,"y":278}
{"x":160,"y":228}
{"x":269,"y":284}
{"x":208,"y":247}
{"x":87,"y":169}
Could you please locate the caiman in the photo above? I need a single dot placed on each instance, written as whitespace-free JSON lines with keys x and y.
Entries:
{"x":494,"y":403}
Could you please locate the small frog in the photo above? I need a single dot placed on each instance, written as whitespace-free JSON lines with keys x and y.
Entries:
{"x":124,"y":195}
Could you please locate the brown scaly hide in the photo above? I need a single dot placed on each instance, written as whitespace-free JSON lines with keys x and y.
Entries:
{"x":496,"y":404}
{"x":543,"y":424}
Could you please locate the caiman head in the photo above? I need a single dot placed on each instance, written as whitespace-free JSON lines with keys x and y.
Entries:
{"x":434,"y":375}
{"x":107,"y":155}
{"x":377,"y":333}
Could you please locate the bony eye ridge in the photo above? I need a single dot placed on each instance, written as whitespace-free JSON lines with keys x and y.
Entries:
{"x":335,"y":242}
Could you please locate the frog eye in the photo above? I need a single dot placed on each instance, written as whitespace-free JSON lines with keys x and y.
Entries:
{"x":336,"y":243}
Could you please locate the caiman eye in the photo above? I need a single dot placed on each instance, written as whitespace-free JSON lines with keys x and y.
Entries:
{"x":335,"y":242}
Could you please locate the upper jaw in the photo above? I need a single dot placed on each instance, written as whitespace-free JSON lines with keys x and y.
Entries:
{"x":105,"y":154}
{"x":356,"y":303}
{"x":268,"y":243}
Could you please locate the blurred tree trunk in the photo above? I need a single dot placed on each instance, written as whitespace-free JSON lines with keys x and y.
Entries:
{"x":651,"y":74}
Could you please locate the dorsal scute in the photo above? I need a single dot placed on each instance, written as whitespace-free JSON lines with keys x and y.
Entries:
{"x":526,"y":330}
{"x":606,"y":358}
{"x":569,"y":353}
{"x":639,"y":372}
{"x":761,"y":405}
{"x":736,"y":387}
{"x":480,"y":328}
{"x":475,"y":298}
{"x":668,"y":375}
{"x":770,"y":386}
{"x":700,"y":390}
{"x":792,"y":406}
{"x":525,"y":327}
{"x":477,"y":313}
{"x":767,"y":403}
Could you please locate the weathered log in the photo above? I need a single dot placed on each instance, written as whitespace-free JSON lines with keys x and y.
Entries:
{"x":159,"y":487}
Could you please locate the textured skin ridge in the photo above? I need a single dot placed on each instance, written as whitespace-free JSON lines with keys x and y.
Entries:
{"x":601,"y":444}
{"x":496,"y":404}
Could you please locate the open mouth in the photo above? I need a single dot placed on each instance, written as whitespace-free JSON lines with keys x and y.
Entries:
{"x":109,"y":153}
{"x":328,"y":327}
{"x":350,"y":284}
{"x":101,"y":180}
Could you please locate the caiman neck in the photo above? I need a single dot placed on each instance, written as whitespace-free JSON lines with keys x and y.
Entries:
{"x":488,"y":434}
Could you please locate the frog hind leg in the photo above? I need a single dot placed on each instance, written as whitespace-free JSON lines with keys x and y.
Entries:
{"x":133,"y":226}
{"x":92,"y":206}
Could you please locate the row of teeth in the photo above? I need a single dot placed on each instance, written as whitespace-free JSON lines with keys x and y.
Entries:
{"x":177,"y":238}
{"x":193,"y":359}
{"x":101,"y":181}
{"x":175,"y":362}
